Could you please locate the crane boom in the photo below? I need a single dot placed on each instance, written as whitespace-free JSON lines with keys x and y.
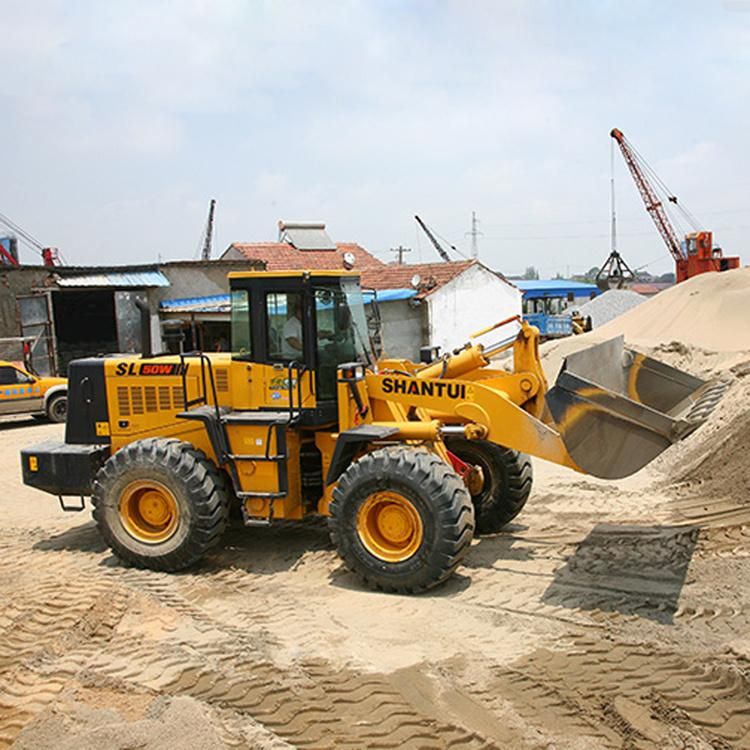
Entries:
{"x":50,"y":255}
{"x":208,"y":237}
{"x":442,"y":252}
{"x":697,"y":254}
{"x":651,"y":200}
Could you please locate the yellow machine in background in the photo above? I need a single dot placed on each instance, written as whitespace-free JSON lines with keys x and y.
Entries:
{"x":407,"y":460}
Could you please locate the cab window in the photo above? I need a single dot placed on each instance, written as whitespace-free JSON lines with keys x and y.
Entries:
{"x":341,"y":329}
{"x":284,"y":328}
{"x":241,"y":331}
{"x":12,"y":376}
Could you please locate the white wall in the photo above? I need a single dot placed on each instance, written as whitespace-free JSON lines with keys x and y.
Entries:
{"x":402,"y":329}
{"x":473,"y":300}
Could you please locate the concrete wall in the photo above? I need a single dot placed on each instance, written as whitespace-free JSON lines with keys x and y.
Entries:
{"x":403,"y":327}
{"x":199,"y":279}
{"x":472,"y":300}
{"x":15,"y":281}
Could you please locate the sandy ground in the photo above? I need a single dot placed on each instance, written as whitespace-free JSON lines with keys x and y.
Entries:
{"x":611,"y":615}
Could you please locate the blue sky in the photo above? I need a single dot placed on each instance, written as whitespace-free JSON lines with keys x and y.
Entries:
{"x":119,"y":120}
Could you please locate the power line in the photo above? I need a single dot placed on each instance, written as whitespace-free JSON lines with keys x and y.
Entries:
{"x":640,"y":219}
{"x":401,"y":250}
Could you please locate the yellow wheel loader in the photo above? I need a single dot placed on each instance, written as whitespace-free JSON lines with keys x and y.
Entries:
{"x":407,"y":460}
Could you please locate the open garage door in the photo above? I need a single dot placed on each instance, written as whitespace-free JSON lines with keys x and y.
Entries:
{"x":36,"y":322}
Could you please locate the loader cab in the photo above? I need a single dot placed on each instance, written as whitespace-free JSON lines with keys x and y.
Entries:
{"x":302,"y":325}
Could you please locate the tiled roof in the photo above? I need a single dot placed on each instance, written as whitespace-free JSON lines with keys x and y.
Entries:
{"x":281,"y":256}
{"x":432,"y":276}
{"x":649,"y":287}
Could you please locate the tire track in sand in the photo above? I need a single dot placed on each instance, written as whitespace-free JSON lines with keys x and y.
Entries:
{"x":587,"y":681}
{"x":308,"y":705}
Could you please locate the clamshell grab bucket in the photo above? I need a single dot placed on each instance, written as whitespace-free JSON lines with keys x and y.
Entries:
{"x":617,"y":409}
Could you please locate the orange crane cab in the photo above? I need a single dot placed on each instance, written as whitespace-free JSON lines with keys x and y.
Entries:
{"x":700,"y":256}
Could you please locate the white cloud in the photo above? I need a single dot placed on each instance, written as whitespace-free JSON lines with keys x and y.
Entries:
{"x":362,"y":113}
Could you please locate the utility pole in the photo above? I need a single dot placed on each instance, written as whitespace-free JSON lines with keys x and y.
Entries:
{"x":208,"y":237}
{"x":475,"y":234}
{"x":401,"y":250}
{"x":613,"y":231}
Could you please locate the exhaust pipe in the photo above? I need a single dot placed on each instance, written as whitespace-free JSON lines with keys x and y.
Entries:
{"x":617,"y":409}
{"x":142,"y":305}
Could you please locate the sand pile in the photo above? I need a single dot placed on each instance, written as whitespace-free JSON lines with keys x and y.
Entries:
{"x":712,"y":463}
{"x":610,"y":305}
{"x":710,"y":311}
{"x":701,"y":325}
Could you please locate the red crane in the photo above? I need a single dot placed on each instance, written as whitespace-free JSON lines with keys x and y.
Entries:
{"x":50,"y":255}
{"x":696,"y":254}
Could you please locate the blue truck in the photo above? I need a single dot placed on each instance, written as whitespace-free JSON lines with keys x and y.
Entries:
{"x":548,"y":303}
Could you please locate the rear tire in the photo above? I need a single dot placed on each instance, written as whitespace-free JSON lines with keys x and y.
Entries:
{"x":160,"y":504}
{"x":401,"y":519}
{"x":508,"y":478}
{"x":57,"y":408}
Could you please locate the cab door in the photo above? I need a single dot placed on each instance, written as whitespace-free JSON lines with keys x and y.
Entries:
{"x":19,"y":392}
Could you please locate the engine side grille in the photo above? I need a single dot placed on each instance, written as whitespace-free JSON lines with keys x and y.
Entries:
{"x":221,"y":376}
{"x":136,"y":399}
{"x":123,"y":401}
{"x":165,"y":404}
{"x":177,"y":398}
{"x":151,"y":398}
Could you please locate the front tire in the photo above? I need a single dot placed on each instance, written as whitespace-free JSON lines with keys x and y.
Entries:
{"x":508,"y":478}
{"x":401,"y":519}
{"x":160,"y":504}
{"x":57,"y":408}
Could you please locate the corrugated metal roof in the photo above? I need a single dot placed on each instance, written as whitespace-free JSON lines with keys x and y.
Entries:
{"x":533,"y":288}
{"x":129,"y":279}
{"x":390,"y":295}
{"x":211,"y":303}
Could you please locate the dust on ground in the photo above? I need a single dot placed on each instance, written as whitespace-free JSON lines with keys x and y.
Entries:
{"x":610,"y":615}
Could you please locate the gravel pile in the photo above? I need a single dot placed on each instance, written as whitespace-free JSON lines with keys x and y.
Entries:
{"x":610,"y":305}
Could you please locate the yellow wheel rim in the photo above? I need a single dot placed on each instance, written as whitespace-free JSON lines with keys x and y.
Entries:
{"x":389,"y":526}
{"x":149,"y":511}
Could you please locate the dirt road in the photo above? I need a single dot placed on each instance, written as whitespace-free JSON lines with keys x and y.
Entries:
{"x":612,"y":615}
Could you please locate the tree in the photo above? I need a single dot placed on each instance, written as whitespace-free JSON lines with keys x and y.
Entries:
{"x":531,"y":274}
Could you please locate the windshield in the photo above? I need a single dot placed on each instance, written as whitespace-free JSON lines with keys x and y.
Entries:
{"x":341,"y":332}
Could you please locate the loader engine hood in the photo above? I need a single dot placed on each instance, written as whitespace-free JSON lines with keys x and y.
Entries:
{"x":617,"y":409}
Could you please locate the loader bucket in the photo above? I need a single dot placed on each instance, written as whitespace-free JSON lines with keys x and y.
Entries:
{"x":616,"y":409}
